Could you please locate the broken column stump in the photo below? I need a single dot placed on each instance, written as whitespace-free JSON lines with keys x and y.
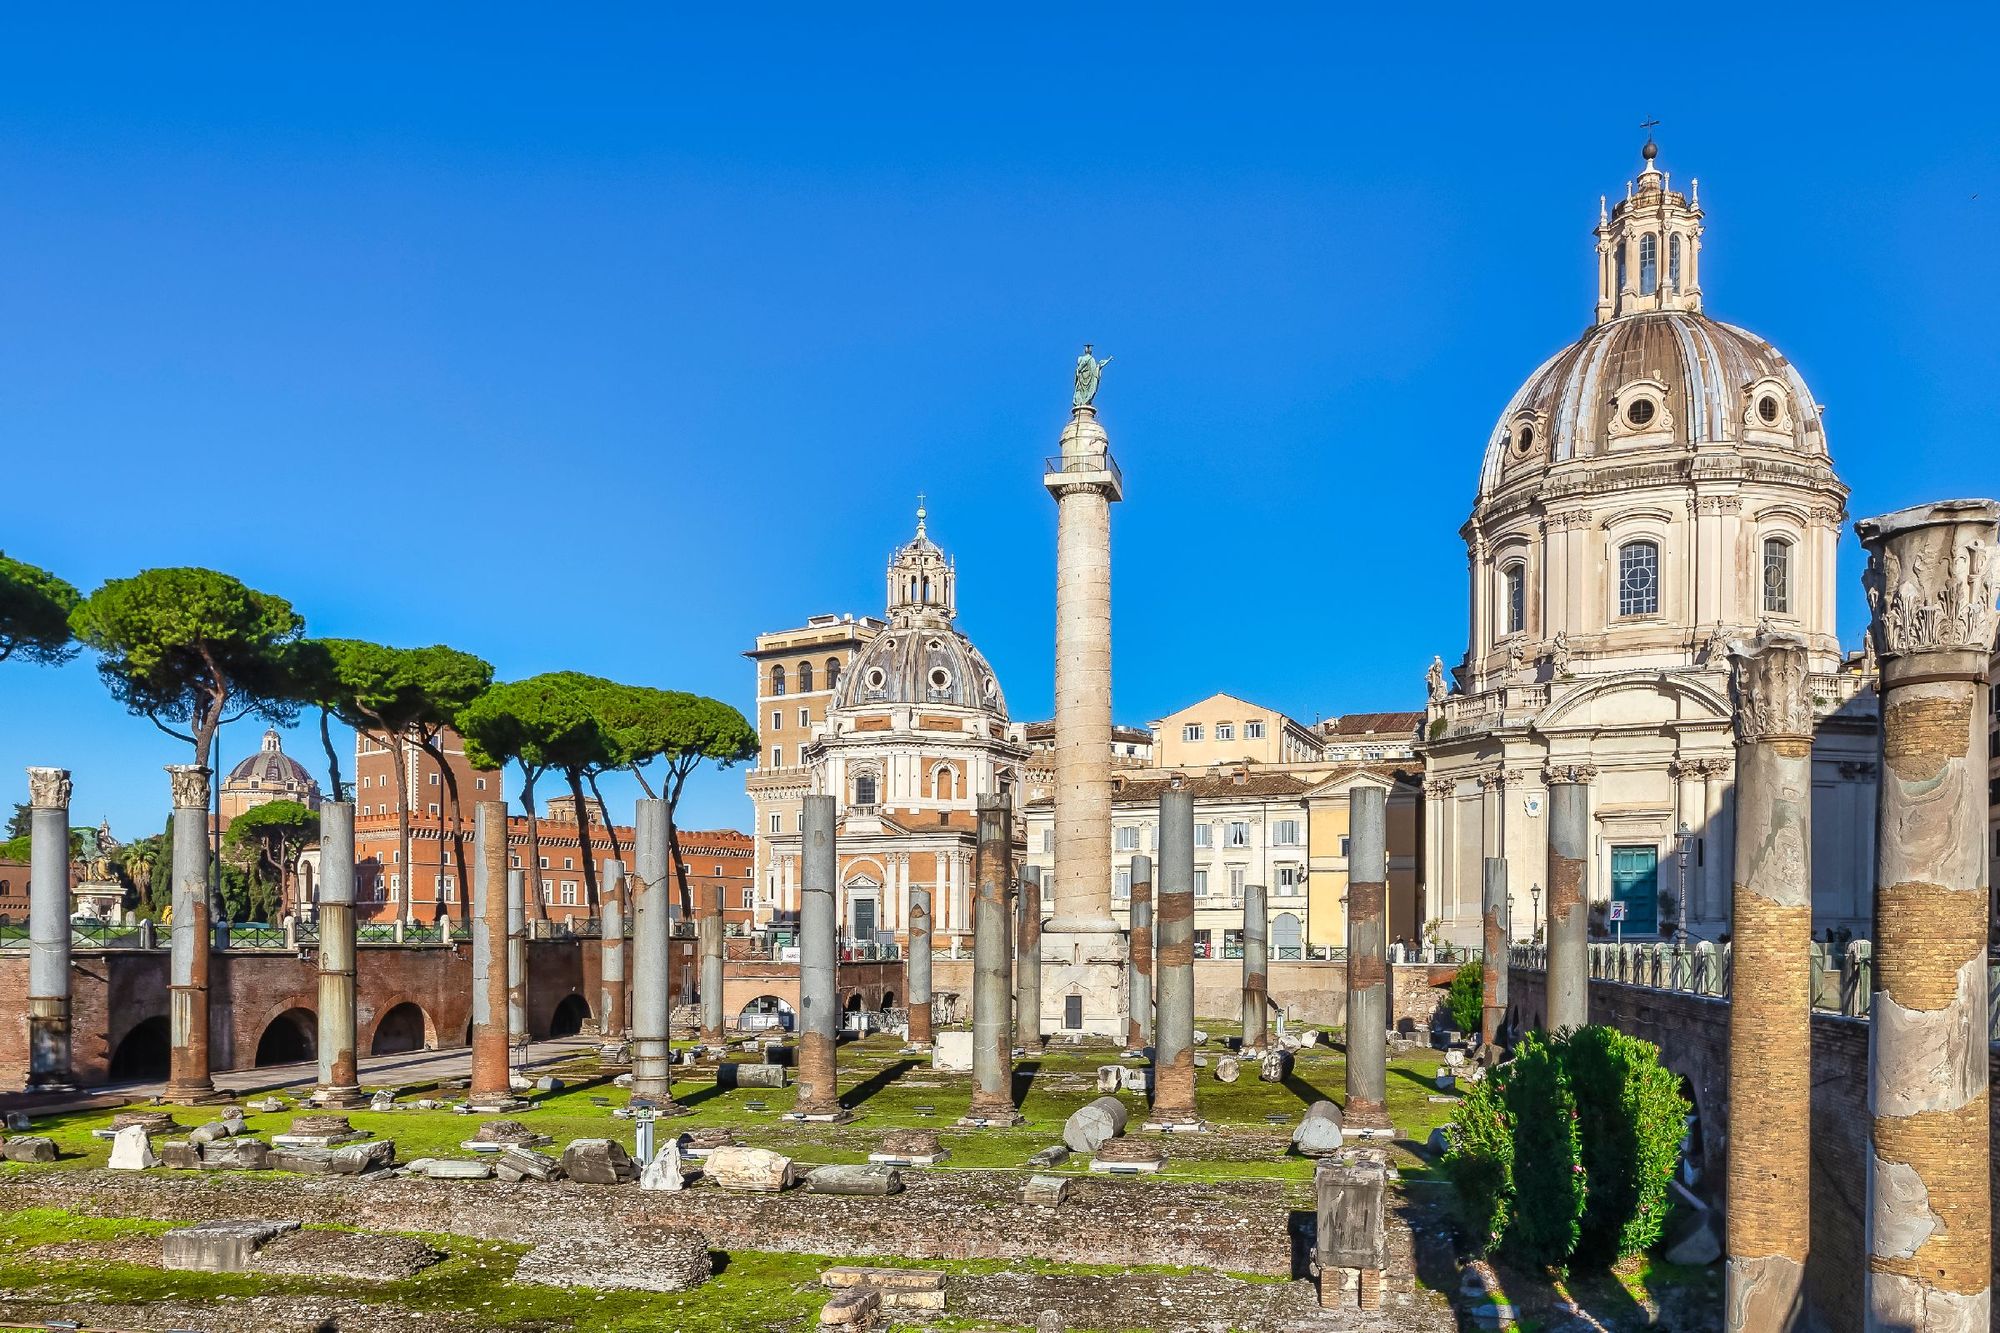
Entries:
{"x":1351,"y":1251}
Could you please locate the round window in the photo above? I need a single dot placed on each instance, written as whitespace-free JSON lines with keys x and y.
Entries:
{"x":1640,"y":412}
{"x":1767,"y":408}
{"x":940,"y":678}
{"x":875,"y":678}
{"x":1527,"y":440}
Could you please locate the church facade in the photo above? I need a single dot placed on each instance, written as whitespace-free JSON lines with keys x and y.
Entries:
{"x":1657,"y":489}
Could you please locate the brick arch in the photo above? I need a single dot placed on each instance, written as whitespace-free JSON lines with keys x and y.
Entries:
{"x":386,"y":1006}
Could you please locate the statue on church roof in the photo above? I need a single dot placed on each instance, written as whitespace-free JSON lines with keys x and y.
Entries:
{"x":1434,"y":678}
{"x":1089,"y":369}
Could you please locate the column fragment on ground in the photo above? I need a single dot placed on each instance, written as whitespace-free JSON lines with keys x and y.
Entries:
{"x":611,"y":1021}
{"x":650,"y":888}
{"x":517,"y":958}
{"x":1028,"y":962}
{"x":1931,"y":580}
{"x":920,"y":967}
{"x":1568,"y":928}
{"x":1139,"y":958}
{"x":1770,"y":1007}
{"x":1256,"y":969}
{"x":1367,"y":954}
{"x":819,"y":994}
{"x":491,"y":1083}
{"x":48,"y":931}
{"x":339,"y":1071}
{"x":1082,"y":947}
{"x":992,"y":970}
{"x":708,"y":940}
{"x":191,"y":938}
{"x":1173,"y":961}
{"x":1495,"y":944}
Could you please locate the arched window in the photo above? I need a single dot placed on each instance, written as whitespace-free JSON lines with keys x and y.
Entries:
{"x":833,"y":673}
{"x":1674,"y":264}
{"x":805,"y":677}
{"x":864,"y":789}
{"x":1649,"y":264}
{"x":1778,"y":575}
{"x":777,"y":680}
{"x":946,"y":784}
{"x":1621,"y":266}
{"x":1514,"y":580}
{"x":1639,"y":579}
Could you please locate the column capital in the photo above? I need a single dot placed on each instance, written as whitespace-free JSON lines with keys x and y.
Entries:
{"x":1931,"y":578}
{"x":1578,"y":774}
{"x":48,"y":788}
{"x":1439,"y":788}
{"x":1770,"y":679}
{"x":190,"y":782}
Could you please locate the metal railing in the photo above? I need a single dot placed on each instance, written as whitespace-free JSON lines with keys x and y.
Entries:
{"x":1099,"y":461}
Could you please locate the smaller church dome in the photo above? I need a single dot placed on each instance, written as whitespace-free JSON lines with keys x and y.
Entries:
{"x":270,"y":769}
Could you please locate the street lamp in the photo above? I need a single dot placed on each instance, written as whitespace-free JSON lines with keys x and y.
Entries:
{"x":1683,"y":844}
{"x":1535,"y":913}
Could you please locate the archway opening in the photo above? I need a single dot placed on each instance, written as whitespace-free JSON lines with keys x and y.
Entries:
{"x":569,"y":1017}
{"x":765,"y":1013}
{"x":145,"y":1053}
{"x":1694,"y":1161}
{"x":854,"y":1003}
{"x":888,"y":1000}
{"x":401,"y":1029}
{"x":291,"y":1038}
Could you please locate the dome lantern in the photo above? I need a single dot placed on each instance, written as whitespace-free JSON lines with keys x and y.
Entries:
{"x":1648,"y":247}
{"x":921,"y":579}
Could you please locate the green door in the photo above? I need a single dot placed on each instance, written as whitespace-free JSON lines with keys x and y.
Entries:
{"x":1635,"y":881}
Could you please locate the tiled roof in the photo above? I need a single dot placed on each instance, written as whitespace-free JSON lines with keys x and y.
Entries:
{"x":1405,"y":725}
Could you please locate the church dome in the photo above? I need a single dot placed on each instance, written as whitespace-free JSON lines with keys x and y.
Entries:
{"x":1665,"y":379}
{"x":270,"y":770}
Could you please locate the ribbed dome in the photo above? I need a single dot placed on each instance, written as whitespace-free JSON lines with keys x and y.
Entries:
{"x":1705,"y":383}
{"x":917,"y":664}
{"x":270,"y":769}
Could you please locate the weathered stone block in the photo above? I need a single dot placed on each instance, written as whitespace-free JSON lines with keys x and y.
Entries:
{"x":132,"y":1149}
{"x":863,"y":1180}
{"x":1046,"y":1190}
{"x":29,"y":1148}
{"x":357,"y":1158}
{"x":752,"y":1170}
{"x":640,"y":1259}
{"x":665,"y":1173}
{"x":457,"y":1168}
{"x":951,"y":1052}
{"x":180,"y":1155}
{"x":1227,"y":1070}
{"x":854,"y":1308}
{"x":1094,"y":1124}
{"x":527,"y":1164}
{"x":1275,"y":1067}
{"x":1132,"y":1154}
{"x":741,"y":1074}
{"x":598,"y":1162}
{"x":235,"y":1155}
{"x":217,"y":1247}
{"x":1053,"y":1155}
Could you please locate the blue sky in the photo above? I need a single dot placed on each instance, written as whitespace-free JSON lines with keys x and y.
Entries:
{"x":606,"y":339}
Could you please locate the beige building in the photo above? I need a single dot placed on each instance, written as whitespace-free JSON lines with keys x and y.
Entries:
{"x":1223,"y":729}
{"x":1326,"y":813}
{"x":1654,"y":490}
{"x":797,"y":672}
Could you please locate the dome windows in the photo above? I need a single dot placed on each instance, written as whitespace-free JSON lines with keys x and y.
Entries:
{"x":1639,"y":578}
{"x":940,"y":680}
{"x":1768,"y":409}
{"x":1639,"y":412}
{"x":1526,"y":444}
{"x":1674,"y":264}
{"x":1767,"y":412}
{"x":1514,"y":593}
{"x":1649,"y":264}
{"x":1778,"y":576}
{"x":875,"y":679}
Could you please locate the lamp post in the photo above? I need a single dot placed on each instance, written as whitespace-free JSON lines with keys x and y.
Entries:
{"x":1535,"y":912}
{"x":1683,"y":842}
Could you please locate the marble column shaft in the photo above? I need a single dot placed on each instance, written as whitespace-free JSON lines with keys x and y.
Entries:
{"x":339,"y":1069}
{"x":1769,"y":1175}
{"x":517,"y":957}
{"x":1367,"y":952}
{"x":652,"y":884}
{"x":992,"y":969}
{"x":708,"y":940}
{"x":1028,"y":962}
{"x":48,"y":931}
{"x":819,"y":992}
{"x":1931,"y":581}
{"x":1495,"y":943}
{"x":1256,"y":968}
{"x":611,"y":1020}
{"x":491,"y":1081}
{"x":920,"y":966}
{"x":190,"y":940}
{"x":1173,"y":961}
{"x":1139,"y":958}
{"x":1568,"y":974}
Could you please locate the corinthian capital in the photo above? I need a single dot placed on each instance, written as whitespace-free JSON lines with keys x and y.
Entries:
{"x":190,"y":786}
{"x":48,"y":788}
{"x":1932,"y":577}
{"x":1771,"y":697}
{"x":1568,"y":772}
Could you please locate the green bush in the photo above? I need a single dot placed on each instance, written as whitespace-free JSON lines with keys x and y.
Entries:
{"x":1480,"y":1163}
{"x":1467,"y":997}
{"x":1549,"y":1184}
{"x":1632,"y":1118}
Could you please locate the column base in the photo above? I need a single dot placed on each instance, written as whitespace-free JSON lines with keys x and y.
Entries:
{"x":992,"y":1119}
{"x":1083,"y":982}
{"x":50,"y":1086}
{"x":1170,"y":1122}
{"x":488,"y":1103}
{"x":342,"y":1098}
{"x":194,"y":1094}
{"x":819,"y":1115}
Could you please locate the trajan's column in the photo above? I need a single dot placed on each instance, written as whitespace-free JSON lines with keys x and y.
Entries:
{"x":1083,"y":951}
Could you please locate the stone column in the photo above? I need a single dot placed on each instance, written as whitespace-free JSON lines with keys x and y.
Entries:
{"x":1367,"y":955}
{"x":1139,"y":958}
{"x":919,"y":974}
{"x":1083,"y":947}
{"x":48,"y":931}
{"x":1568,"y":974}
{"x":1930,"y":578}
{"x":708,"y":927}
{"x":1173,"y":1028}
{"x":491,"y":1085}
{"x":819,"y":987}
{"x":652,"y":885}
{"x":992,"y":964}
{"x":1498,"y":938}
{"x":192,"y":936}
{"x":339,"y":1071}
{"x":1028,"y":962}
{"x":1770,"y":1007}
{"x":517,"y":958}
{"x":611,"y":952}
{"x":1256,"y":969}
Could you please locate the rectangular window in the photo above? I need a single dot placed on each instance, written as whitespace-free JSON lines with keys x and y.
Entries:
{"x":544,"y":864}
{"x":1286,"y":833}
{"x":746,"y":899}
{"x":1225,"y":731}
{"x":1125,"y":839}
{"x":1048,"y":840}
{"x":1236,"y":881}
{"x":1191,"y":732}
{"x":479,"y":784}
{"x":1343,"y":846}
{"x":1288,"y":879}
{"x":1204,"y":835}
{"x":1638,"y":579}
{"x":432,"y":807}
{"x":366,"y":783}
{"x":1253,"y":731}
{"x":569,"y":863}
{"x":1239,"y":835}
{"x":569,"y":893}
{"x":1201,"y":945}
{"x":1201,"y":884}
{"x":805,"y":718}
{"x":777,"y":720}
{"x":450,"y":889}
{"x":777,"y":756}
{"x":1121,"y":883}
{"x":548,"y":892}
{"x":514,"y":861}
{"x":777,"y":823}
